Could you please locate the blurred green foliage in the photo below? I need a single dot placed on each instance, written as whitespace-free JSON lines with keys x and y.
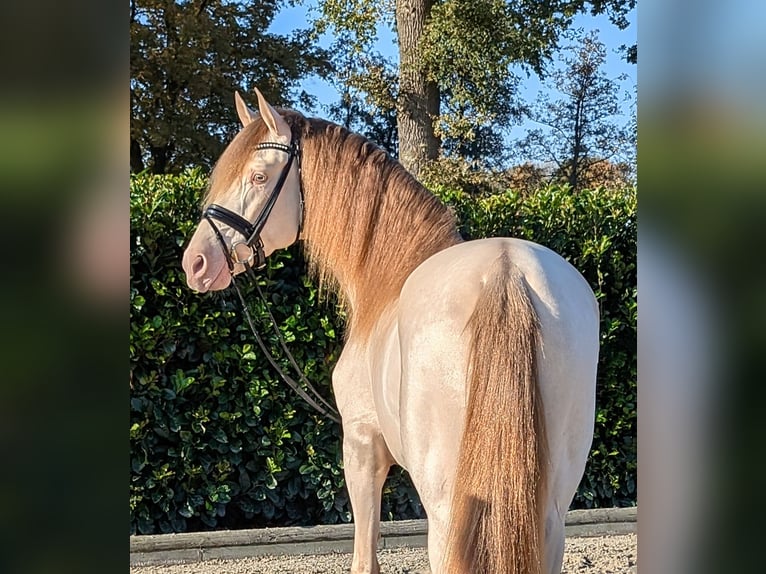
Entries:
{"x":217,"y":441}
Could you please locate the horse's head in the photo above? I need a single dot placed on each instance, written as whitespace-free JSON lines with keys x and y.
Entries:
{"x":254,"y":204}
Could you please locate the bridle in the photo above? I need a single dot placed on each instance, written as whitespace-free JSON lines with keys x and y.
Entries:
{"x":257,"y":260}
{"x":252,"y":231}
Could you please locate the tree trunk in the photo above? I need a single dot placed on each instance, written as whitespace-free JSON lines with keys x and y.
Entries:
{"x":136,"y":161}
{"x":160,"y":158}
{"x":574,"y":174}
{"x":418,"y":103}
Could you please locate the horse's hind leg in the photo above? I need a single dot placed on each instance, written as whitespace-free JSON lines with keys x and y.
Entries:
{"x":554,"y":541}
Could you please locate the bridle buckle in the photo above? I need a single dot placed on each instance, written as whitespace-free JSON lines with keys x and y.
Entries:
{"x":256,"y":254}
{"x":235,"y":255}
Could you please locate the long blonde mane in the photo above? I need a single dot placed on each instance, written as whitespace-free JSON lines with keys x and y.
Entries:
{"x":368,"y":223}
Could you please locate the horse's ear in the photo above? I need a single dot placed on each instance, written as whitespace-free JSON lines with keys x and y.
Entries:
{"x":246,"y":115}
{"x":276,"y":123}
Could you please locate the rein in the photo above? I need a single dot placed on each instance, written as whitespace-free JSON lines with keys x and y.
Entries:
{"x":257,"y":260}
{"x":327,"y":410}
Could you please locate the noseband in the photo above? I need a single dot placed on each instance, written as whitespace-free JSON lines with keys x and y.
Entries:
{"x":252,"y":231}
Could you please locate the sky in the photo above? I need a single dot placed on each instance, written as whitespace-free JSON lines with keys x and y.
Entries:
{"x":298,"y":17}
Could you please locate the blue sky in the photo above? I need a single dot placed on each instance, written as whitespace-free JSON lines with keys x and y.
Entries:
{"x":297,"y":17}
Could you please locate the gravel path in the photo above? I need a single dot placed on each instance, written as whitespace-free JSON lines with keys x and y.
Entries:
{"x":601,"y":555}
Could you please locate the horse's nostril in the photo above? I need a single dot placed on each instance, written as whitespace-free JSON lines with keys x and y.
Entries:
{"x":198,"y":265}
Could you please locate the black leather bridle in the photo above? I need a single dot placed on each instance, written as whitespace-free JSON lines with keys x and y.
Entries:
{"x":252,"y":231}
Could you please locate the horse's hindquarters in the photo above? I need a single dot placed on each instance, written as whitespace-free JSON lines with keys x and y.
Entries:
{"x":435,"y":307}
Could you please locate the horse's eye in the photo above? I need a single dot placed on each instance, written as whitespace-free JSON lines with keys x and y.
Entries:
{"x":259,"y":178}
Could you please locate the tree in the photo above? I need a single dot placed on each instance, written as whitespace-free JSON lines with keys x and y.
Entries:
{"x":418,"y":101}
{"x":579,"y":136}
{"x":459,"y":61}
{"x":527,"y":177}
{"x":370,"y":111}
{"x":187,"y":57}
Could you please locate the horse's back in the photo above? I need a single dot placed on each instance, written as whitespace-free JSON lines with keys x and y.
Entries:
{"x":435,"y":306}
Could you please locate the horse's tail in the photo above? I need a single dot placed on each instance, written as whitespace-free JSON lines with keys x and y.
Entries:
{"x":500,"y":486}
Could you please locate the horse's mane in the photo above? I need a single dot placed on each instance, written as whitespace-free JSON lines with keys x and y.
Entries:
{"x":368,"y":223}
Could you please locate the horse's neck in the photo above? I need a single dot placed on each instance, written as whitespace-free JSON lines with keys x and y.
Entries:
{"x":374,"y":245}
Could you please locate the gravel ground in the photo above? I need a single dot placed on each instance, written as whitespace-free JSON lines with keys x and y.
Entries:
{"x":600,"y":555}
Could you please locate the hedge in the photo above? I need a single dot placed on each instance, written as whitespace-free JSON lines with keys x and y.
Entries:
{"x":218,"y":442}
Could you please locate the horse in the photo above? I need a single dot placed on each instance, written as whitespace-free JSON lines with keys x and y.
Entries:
{"x":471,"y":364}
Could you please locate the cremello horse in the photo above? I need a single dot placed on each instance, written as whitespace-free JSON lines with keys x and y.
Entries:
{"x":470,"y":364}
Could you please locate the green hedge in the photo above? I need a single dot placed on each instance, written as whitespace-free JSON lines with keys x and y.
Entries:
{"x":218,"y":442}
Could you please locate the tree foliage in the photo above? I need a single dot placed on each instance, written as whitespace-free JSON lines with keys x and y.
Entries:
{"x":187,"y":57}
{"x":580,"y":137}
{"x":368,"y":85}
{"x":475,"y":53}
